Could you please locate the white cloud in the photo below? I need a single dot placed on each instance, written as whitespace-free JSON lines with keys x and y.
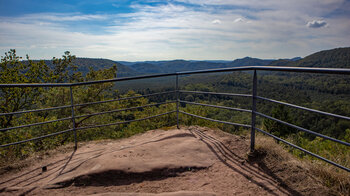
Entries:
{"x":238,"y":20}
{"x":216,"y":21}
{"x":317,"y":24}
{"x":56,"y":17}
{"x":271,"y":29}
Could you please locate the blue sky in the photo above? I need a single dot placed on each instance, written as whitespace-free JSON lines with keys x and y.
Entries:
{"x":174,"y":29}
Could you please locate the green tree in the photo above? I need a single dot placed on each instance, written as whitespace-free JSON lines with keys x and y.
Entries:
{"x":276,"y":128}
{"x":14,"y":70}
{"x":64,"y":70}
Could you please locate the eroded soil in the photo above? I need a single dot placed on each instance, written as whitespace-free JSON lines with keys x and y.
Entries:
{"x":188,"y":161}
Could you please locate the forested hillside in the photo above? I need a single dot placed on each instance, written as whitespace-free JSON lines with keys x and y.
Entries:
{"x":248,"y":61}
{"x":85,"y":64}
{"x":324,"y":92}
{"x":335,"y":58}
{"x":151,"y":67}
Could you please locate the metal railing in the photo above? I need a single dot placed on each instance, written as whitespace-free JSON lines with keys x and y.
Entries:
{"x":177,"y":92}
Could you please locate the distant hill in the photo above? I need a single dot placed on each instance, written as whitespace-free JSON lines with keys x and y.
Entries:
{"x":122,"y":70}
{"x":248,"y":61}
{"x":147,"y":68}
{"x":85,"y":63}
{"x":182,"y":65}
{"x":152,"y":67}
{"x":295,"y":58}
{"x":334,"y":58}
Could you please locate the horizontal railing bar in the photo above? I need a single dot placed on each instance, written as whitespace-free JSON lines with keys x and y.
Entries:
{"x":124,"y":79}
{"x":303,"y":129}
{"x":215,"y":106}
{"x":214,"y":93}
{"x":124,"y":98}
{"x":302,"y":149}
{"x":36,"y":138}
{"x":125,"y":109}
{"x":272,"y":68}
{"x":304,"y":108}
{"x":214,"y":120}
{"x":244,"y":68}
{"x":36,"y":110}
{"x":124,"y":122}
{"x":35,"y":124}
{"x":24,"y":85}
{"x":83,"y":104}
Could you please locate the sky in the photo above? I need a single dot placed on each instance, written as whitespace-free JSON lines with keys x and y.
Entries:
{"x":126,"y":30}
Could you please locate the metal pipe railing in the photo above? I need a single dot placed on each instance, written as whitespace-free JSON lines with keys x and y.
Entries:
{"x":35,"y":110}
{"x":244,"y":68}
{"x":252,"y":131}
{"x":216,"y":106}
{"x":177,"y":92}
{"x":124,"y":109}
{"x":35,"y":124}
{"x":124,"y":122}
{"x":123,"y":98}
{"x":214,"y":120}
{"x":36,"y":138}
{"x":177,"y":101}
{"x":84,"y":104}
{"x":215,"y":93}
{"x":302,"y":129}
{"x":73,"y":118}
{"x":302,"y":149}
{"x":304,"y":108}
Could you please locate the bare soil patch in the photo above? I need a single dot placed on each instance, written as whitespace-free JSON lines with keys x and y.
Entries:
{"x":188,"y":161}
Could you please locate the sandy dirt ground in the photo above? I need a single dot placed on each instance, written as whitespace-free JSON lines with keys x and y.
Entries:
{"x":189,"y":161}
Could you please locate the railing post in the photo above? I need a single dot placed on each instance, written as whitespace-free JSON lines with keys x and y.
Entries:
{"x":73,"y":118}
{"x":177,"y":101}
{"x":252,"y":133}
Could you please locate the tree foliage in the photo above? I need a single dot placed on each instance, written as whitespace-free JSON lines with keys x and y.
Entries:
{"x":14,"y":70}
{"x":280,"y":130}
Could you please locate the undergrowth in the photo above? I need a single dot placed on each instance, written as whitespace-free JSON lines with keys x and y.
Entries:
{"x":337,"y":180}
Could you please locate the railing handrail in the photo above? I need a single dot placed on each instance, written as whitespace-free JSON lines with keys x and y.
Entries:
{"x":343,"y":71}
{"x":253,"y":111}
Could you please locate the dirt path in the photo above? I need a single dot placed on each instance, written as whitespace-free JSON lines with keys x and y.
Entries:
{"x":191,"y":161}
